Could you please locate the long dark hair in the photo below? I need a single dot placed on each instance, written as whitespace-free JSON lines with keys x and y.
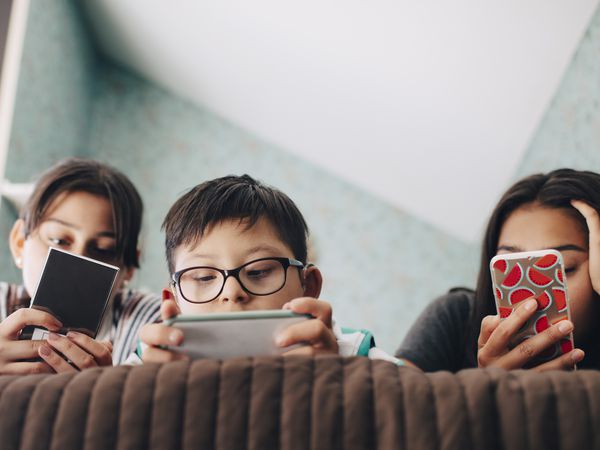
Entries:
{"x":94,"y":177}
{"x":555,"y":189}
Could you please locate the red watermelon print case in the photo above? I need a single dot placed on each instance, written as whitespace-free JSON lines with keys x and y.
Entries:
{"x":540,"y":274}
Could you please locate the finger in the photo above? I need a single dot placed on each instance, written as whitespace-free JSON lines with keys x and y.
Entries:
{"x":71,"y":351}
{"x":488,"y":325}
{"x":159,"y":355}
{"x":304,"y":350}
{"x":499,"y":340}
{"x":156,"y":335}
{"x":19,"y":350}
{"x":530,"y":348}
{"x":313,"y":332}
{"x":563,"y":362}
{"x":591,"y":215}
{"x":108,"y":345}
{"x":25,"y":368}
{"x":168,"y":309}
{"x":54,"y":360}
{"x":101,"y":353}
{"x":317,"y":308}
{"x":592,"y":220}
{"x":13,"y":324}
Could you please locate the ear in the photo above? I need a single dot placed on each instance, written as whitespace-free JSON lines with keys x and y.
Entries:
{"x":16,"y":242}
{"x":167,"y":294}
{"x":169,"y":306}
{"x":129,"y":273}
{"x":313,"y":281}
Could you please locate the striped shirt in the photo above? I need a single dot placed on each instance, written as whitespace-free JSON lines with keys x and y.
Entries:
{"x":129,"y":311}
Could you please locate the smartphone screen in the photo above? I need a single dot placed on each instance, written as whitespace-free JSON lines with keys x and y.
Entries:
{"x":226,"y":335}
{"x":75,"y":290}
{"x":519,"y":276}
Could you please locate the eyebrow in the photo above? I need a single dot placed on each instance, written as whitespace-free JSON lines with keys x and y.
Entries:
{"x":109,"y":234}
{"x":560,"y":248}
{"x":260,"y":248}
{"x":250,"y":251}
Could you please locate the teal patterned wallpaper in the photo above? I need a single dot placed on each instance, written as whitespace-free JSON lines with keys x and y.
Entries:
{"x":51,"y":116}
{"x":381,"y":265}
{"x":569,"y":134}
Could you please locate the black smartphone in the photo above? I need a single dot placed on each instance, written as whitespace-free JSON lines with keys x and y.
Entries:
{"x":75,"y":290}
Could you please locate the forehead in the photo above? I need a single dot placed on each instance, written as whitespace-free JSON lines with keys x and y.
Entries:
{"x":534,"y":227}
{"x":79,"y":207}
{"x":233,"y":237}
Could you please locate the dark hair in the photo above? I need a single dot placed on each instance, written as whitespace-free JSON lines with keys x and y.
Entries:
{"x":552,"y":190}
{"x":233,"y":197}
{"x":86,"y":175}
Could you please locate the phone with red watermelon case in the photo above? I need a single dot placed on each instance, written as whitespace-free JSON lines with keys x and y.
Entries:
{"x":540,"y":274}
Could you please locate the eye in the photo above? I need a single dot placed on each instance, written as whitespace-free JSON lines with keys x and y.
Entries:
{"x":58,"y":242}
{"x":105,"y":251}
{"x":206,"y":279}
{"x":259,"y":273}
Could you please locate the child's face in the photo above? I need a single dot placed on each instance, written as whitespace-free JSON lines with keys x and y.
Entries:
{"x":533,"y":227}
{"x":228,"y":245}
{"x":78,"y":222}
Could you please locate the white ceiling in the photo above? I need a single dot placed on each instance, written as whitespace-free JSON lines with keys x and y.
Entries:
{"x":429,"y":105}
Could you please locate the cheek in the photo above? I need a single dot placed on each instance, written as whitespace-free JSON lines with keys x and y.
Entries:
{"x":581,"y":292}
{"x":34,"y":257}
{"x":292,"y":289}
{"x":188,"y":308}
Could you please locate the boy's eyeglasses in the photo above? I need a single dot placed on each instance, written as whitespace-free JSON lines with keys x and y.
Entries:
{"x":262,"y":276}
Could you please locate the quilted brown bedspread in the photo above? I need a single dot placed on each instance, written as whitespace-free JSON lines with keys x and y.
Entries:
{"x":299,"y":403}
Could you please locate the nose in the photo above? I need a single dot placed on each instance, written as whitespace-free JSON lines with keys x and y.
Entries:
{"x":233,"y":292}
{"x":79,"y":248}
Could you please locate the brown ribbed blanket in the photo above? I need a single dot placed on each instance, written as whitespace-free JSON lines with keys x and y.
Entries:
{"x":299,"y":403}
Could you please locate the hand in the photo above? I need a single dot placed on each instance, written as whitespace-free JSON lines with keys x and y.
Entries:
{"x":593,"y":223}
{"x":317,"y":332}
{"x":16,"y":355}
{"x":157,"y":335}
{"x":78,"y":351}
{"x":496,"y":334}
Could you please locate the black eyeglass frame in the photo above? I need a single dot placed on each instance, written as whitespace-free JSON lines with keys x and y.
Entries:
{"x":235,"y":273}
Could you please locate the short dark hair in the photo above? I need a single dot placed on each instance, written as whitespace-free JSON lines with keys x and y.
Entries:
{"x":233,"y":197}
{"x":555,"y":189}
{"x":94,"y":177}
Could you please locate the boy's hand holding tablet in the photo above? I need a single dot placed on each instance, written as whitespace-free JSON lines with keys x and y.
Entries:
{"x":248,"y":333}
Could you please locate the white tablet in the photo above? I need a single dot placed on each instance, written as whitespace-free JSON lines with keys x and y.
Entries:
{"x":225,"y":335}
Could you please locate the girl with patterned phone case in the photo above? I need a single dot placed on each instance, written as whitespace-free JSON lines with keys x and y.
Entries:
{"x":540,"y":274}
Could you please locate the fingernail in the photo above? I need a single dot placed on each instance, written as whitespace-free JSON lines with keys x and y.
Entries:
{"x":44,"y":350}
{"x":531,"y":305}
{"x":565,"y":327}
{"x":175,"y":337}
{"x":287,"y":306}
{"x":577,"y":355}
{"x":279,"y":340}
{"x":52,"y":337}
{"x":73,"y":334}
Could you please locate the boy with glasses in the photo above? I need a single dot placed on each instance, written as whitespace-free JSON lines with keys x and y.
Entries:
{"x":235,"y":244}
